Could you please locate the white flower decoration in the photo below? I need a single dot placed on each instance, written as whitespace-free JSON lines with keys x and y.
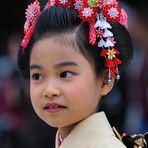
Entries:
{"x":107,"y":33}
{"x":26,"y":26}
{"x":87,"y":12}
{"x":52,"y":2}
{"x":113,"y":12}
{"x":101,"y":43}
{"x":108,"y":2}
{"x":78,"y":4}
{"x":63,"y":1}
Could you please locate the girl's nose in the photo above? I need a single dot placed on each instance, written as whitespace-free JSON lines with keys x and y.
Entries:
{"x":51,"y":90}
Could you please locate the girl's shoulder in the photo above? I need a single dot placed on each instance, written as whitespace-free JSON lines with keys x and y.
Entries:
{"x":133,"y":141}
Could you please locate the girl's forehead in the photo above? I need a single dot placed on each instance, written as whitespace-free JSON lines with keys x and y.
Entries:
{"x":64,"y":39}
{"x":55,"y":47}
{"x":63,"y":45}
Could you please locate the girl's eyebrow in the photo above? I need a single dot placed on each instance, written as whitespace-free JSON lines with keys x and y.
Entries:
{"x":67,"y":63}
{"x":34,"y":66}
{"x":62,"y":64}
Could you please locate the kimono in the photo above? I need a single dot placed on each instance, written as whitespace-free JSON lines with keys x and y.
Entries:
{"x":93,"y":132}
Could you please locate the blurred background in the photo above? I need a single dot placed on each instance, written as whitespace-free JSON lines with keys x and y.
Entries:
{"x":126,"y":106}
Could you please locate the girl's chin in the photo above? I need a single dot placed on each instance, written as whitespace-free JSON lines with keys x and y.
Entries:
{"x":55,"y":124}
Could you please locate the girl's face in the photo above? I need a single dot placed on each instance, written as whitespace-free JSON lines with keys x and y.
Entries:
{"x":63,"y":86}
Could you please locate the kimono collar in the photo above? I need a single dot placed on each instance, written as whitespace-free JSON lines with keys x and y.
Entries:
{"x":94,"y":127}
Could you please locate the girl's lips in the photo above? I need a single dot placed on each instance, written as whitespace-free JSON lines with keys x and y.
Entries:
{"x":54,"y":107}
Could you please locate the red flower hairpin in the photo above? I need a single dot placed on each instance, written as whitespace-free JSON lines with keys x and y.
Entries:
{"x":32,"y":13}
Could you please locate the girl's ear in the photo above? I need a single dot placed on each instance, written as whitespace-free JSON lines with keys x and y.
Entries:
{"x":106,"y":86}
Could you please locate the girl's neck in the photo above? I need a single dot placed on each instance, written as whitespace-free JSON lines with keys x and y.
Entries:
{"x":64,"y":131}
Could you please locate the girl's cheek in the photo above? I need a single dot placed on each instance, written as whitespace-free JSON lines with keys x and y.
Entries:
{"x":77,"y":89}
{"x":33,"y":92}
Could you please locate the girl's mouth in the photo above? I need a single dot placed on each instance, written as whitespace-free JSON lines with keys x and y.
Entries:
{"x":54,"y":107}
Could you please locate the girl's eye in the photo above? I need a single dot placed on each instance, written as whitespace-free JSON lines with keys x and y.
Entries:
{"x":66,"y":74}
{"x":37,"y":76}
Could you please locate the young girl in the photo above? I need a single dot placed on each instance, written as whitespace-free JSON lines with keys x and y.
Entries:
{"x":71,"y":56}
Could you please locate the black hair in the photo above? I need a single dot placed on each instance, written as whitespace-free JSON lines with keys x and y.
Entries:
{"x":58,"y":20}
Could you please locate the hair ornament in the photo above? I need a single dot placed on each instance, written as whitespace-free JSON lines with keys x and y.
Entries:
{"x":100,"y":14}
{"x":92,"y":34}
{"x":63,"y":3}
{"x":123,"y":18}
{"x":87,"y":13}
{"x":50,"y":3}
{"x":32,"y":13}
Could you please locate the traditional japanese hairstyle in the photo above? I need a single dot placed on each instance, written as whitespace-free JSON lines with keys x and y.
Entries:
{"x":99,"y":14}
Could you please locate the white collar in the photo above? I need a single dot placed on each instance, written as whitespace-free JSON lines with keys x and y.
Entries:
{"x":93,"y":128}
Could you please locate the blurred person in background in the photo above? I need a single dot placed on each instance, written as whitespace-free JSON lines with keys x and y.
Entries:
{"x":11,"y":94}
{"x":135,"y":83}
{"x":9,"y":97}
{"x":18,"y":123}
